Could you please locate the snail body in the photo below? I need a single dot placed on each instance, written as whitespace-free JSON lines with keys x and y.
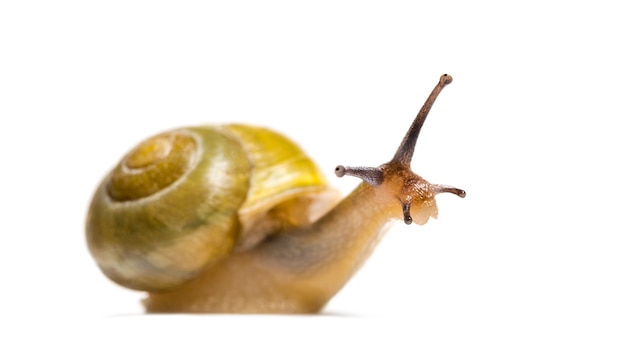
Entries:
{"x":237,"y":219}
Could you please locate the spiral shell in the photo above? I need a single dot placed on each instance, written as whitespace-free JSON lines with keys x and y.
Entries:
{"x":183,"y":200}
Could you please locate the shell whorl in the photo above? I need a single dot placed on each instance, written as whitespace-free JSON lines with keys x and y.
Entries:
{"x":178,"y":225}
{"x":152,"y":166}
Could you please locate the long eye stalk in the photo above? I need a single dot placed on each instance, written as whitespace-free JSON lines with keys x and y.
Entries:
{"x":405,"y":151}
{"x":371,"y":175}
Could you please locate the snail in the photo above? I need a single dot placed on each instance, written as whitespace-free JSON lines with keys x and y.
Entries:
{"x":238,"y":219}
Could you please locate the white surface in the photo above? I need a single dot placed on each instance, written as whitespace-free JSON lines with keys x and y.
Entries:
{"x":532,"y":128}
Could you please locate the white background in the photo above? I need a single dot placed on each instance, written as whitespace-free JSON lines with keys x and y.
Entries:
{"x":534,"y":258}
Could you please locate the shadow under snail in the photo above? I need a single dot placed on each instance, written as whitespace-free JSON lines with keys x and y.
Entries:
{"x":237,"y":219}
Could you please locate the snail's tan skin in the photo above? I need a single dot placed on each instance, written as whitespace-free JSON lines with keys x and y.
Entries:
{"x":301,"y":269}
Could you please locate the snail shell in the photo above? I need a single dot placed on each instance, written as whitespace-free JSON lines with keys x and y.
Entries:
{"x":183,"y":200}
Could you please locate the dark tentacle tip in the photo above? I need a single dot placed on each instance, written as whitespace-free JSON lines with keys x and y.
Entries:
{"x":445,"y":79}
{"x":340,"y":171}
{"x":406,"y":210}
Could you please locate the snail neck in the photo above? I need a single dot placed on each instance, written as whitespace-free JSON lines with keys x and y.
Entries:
{"x":347,"y":234}
{"x":318,"y":260}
